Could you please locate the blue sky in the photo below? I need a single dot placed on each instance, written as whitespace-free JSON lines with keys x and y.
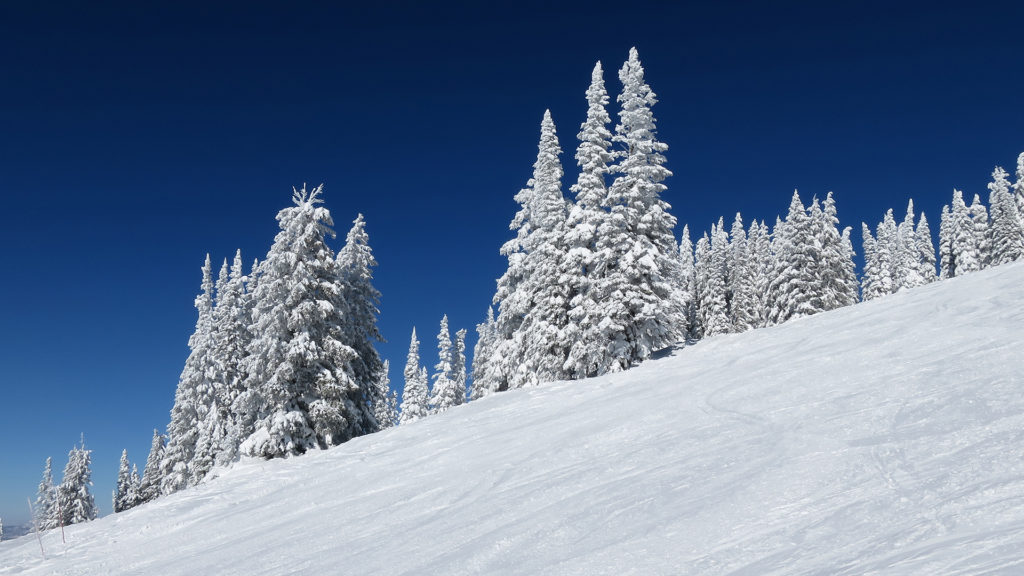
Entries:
{"x":134,"y":140}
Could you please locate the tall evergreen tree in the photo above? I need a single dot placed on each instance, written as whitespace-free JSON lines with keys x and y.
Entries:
{"x":638,"y":288}
{"x":688,"y":293}
{"x":979,"y":215}
{"x":445,"y":391}
{"x":1007,"y":229}
{"x":415,"y":393}
{"x":385,"y":407}
{"x":909,"y":254}
{"x":482,"y":381}
{"x":794,"y":290}
{"x":872,"y":281}
{"x":45,"y":505}
{"x":231,"y":333}
{"x":965,"y":253}
{"x":836,"y":270}
{"x":946,"y":262}
{"x":709,"y":270}
{"x":123,"y":486}
{"x":759,"y":263}
{"x":1018,"y":185}
{"x":459,"y":364}
{"x":888,"y":250}
{"x":583,"y":333}
{"x":75,"y":502}
{"x":152,"y":478}
{"x":743,"y":305}
{"x":300,"y":365}
{"x":194,"y":395}
{"x":926,"y":249}
{"x":361,"y":298}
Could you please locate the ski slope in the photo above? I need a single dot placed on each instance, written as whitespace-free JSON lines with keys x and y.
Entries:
{"x":884,"y":438}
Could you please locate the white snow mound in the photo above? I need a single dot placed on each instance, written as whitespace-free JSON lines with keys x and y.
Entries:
{"x":884,"y":438}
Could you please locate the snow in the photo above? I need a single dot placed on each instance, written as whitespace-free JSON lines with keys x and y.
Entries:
{"x":880,"y":438}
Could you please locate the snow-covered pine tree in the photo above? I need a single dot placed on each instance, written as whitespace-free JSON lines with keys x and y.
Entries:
{"x":123,"y":486}
{"x":946,"y":263}
{"x":872,"y":280}
{"x":445,"y":391}
{"x":482,"y":381}
{"x":909,"y":255}
{"x":385,"y":404}
{"x":581,"y":265}
{"x":688,"y":293}
{"x":759,"y":263}
{"x":709,"y":270}
{"x":308,"y":397}
{"x":744,"y":305}
{"x":459,"y":364}
{"x":213,"y":427}
{"x":925,"y":249}
{"x":194,"y":395}
{"x":152,"y":479}
{"x":74,"y":500}
{"x":638,"y":290}
{"x":1007,"y":229}
{"x":888,"y":250}
{"x":965,"y":252}
{"x":979,"y":214}
{"x":45,"y":505}
{"x":231,"y":325}
{"x":836,"y":269}
{"x":361,"y":297}
{"x":794,"y":290}
{"x":415,"y":393}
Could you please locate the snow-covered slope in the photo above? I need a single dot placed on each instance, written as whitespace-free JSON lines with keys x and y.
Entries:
{"x":883,"y":438}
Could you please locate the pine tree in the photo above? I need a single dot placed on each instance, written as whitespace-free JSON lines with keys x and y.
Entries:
{"x":887,"y":246}
{"x":152,"y":479}
{"x":872,"y":282}
{"x":415,"y":394}
{"x":979,"y":215}
{"x":1007,"y":230}
{"x":123,"y":486}
{"x":641,"y":309}
{"x":385,"y":407}
{"x":964,"y":250}
{"x":533,"y":305}
{"x":946,"y":263}
{"x":580,"y":266}
{"x":688,"y":293}
{"x":483,"y":382}
{"x":743,"y":305}
{"x":795,"y":288}
{"x":74,"y":500}
{"x":231,"y":320}
{"x":445,"y":391}
{"x":362,"y":298}
{"x":710,"y":281}
{"x":1018,"y":185}
{"x":308,"y":396}
{"x":193,"y":396}
{"x":45,"y":505}
{"x":836,"y":270}
{"x":759,"y":264}
{"x":925,"y":249}
{"x":459,"y":364}
{"x":909,"y":255}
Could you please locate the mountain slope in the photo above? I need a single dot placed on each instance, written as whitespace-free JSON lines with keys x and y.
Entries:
{"x":881,"y":438}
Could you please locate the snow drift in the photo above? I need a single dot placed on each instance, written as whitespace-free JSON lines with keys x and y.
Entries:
{"x":880,"y":438}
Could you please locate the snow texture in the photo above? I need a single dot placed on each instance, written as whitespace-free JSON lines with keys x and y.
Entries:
{"x":880,"y":438}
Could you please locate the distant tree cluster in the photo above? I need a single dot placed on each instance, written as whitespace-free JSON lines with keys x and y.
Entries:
{"x":419,"y":398}
{"x":71,"y":501}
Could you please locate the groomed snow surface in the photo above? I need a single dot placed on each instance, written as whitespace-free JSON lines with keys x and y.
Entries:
{"x":884,"y":438}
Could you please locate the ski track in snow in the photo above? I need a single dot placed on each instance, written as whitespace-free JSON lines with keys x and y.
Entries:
{"x":883,"y":438}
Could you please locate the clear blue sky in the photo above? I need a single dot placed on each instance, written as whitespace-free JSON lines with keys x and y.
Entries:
{"x":135,"y":139}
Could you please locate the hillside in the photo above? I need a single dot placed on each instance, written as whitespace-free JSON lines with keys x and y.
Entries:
{"x":881,"y":438}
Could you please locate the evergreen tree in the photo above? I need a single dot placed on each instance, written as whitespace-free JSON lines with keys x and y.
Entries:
{"x":743,"y":305}
{"x":836,"y":270}
{"x":1018,"y":185}
{"x":74,"y":500}
{"x":965,"y":254}
{"x":946,"y":263}
{"x":580,"y":266}
{"x":926,"y":249}
{"x":415,"y":394}
{"x":485,"y":342}
{"x":1007,"y":230}
{"x":759,"y":263}
{"x":122,"y":497}
{"x":45,"y":505}
{"x":709,"y":269}
{"x":795,"y":288}
{"x":445,"y":391}
{"x":385,"y":407}
{"x":909,"y":254}
{"x":979,"y":215}
{"x":307,"y":394}
{"x":193,"y":397}
{"x":459,"y":364}
{"x":152,"y":479}
{"x":888,"y":250}
{"x":688,"y":293}
{"x":362,"y":298}
{"x":641,"y":309}
{"x":872,"y":281}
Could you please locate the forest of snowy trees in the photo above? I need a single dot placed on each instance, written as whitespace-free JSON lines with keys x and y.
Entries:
{"x":283,"y":358}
